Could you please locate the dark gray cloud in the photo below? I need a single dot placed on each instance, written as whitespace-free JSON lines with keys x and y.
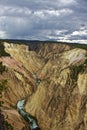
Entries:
{"x":43,"y":20}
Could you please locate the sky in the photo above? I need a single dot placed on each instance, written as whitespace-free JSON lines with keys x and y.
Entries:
{"x":44,"y":20}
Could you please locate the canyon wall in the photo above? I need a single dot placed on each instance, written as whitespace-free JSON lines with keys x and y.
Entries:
{"x":52,"y":78}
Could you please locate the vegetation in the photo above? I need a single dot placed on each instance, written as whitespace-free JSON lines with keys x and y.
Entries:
{"x":2,"y":51}
{"x":76,"y":45}
{"x":2,"y":122}
{"x":3,"y":82}
{"x":4,"y":125}
{"x":8,"y":126}
{"x":1,"y":103}
{"x":2,"y":68}
{"x":2,"y":88}
{"x":75,"y":70}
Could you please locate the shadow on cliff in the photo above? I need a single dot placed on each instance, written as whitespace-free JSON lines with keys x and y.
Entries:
{"x":2,"y":50}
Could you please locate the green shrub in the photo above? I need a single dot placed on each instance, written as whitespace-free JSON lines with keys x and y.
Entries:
{"x":1,"y":103}
{"x":2,"y":50}
{"x":2,"y":68}
{"x":9,"y":126}
{"x":2,"y":86}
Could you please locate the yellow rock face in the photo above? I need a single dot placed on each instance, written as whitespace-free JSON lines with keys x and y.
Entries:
{"x":53,"y":78}
{"x":82,"y":84}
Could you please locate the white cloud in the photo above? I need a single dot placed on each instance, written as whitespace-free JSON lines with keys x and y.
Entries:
{"x":59,"y":12}
{"x":67,"y":2}
{"x":24,"y":11}
{"x":74,"y":41}
{"x":79,"y":33}
{"x":3,"y":34}
{"x":51,"y":13}
{"x":14,"y":11}
{"x":39,"y":14}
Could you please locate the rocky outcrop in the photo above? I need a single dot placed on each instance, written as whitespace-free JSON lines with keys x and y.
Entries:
{"x":53,"y":78}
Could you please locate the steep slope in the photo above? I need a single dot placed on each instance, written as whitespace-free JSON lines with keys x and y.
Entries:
{"x":53,"y":79}
{"x":60,"y":100}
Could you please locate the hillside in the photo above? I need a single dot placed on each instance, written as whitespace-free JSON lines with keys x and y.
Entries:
{"x":53,"y":79}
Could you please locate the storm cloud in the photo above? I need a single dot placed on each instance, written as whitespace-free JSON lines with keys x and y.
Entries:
{"x":43,"y":20}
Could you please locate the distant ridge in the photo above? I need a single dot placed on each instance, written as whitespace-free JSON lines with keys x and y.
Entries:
{"x":34,"y":42}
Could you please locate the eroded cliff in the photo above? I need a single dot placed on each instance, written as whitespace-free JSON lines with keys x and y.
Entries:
{"x":53,"y":78}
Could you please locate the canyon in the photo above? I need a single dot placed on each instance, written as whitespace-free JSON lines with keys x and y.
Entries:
{"x":52,"y":77}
